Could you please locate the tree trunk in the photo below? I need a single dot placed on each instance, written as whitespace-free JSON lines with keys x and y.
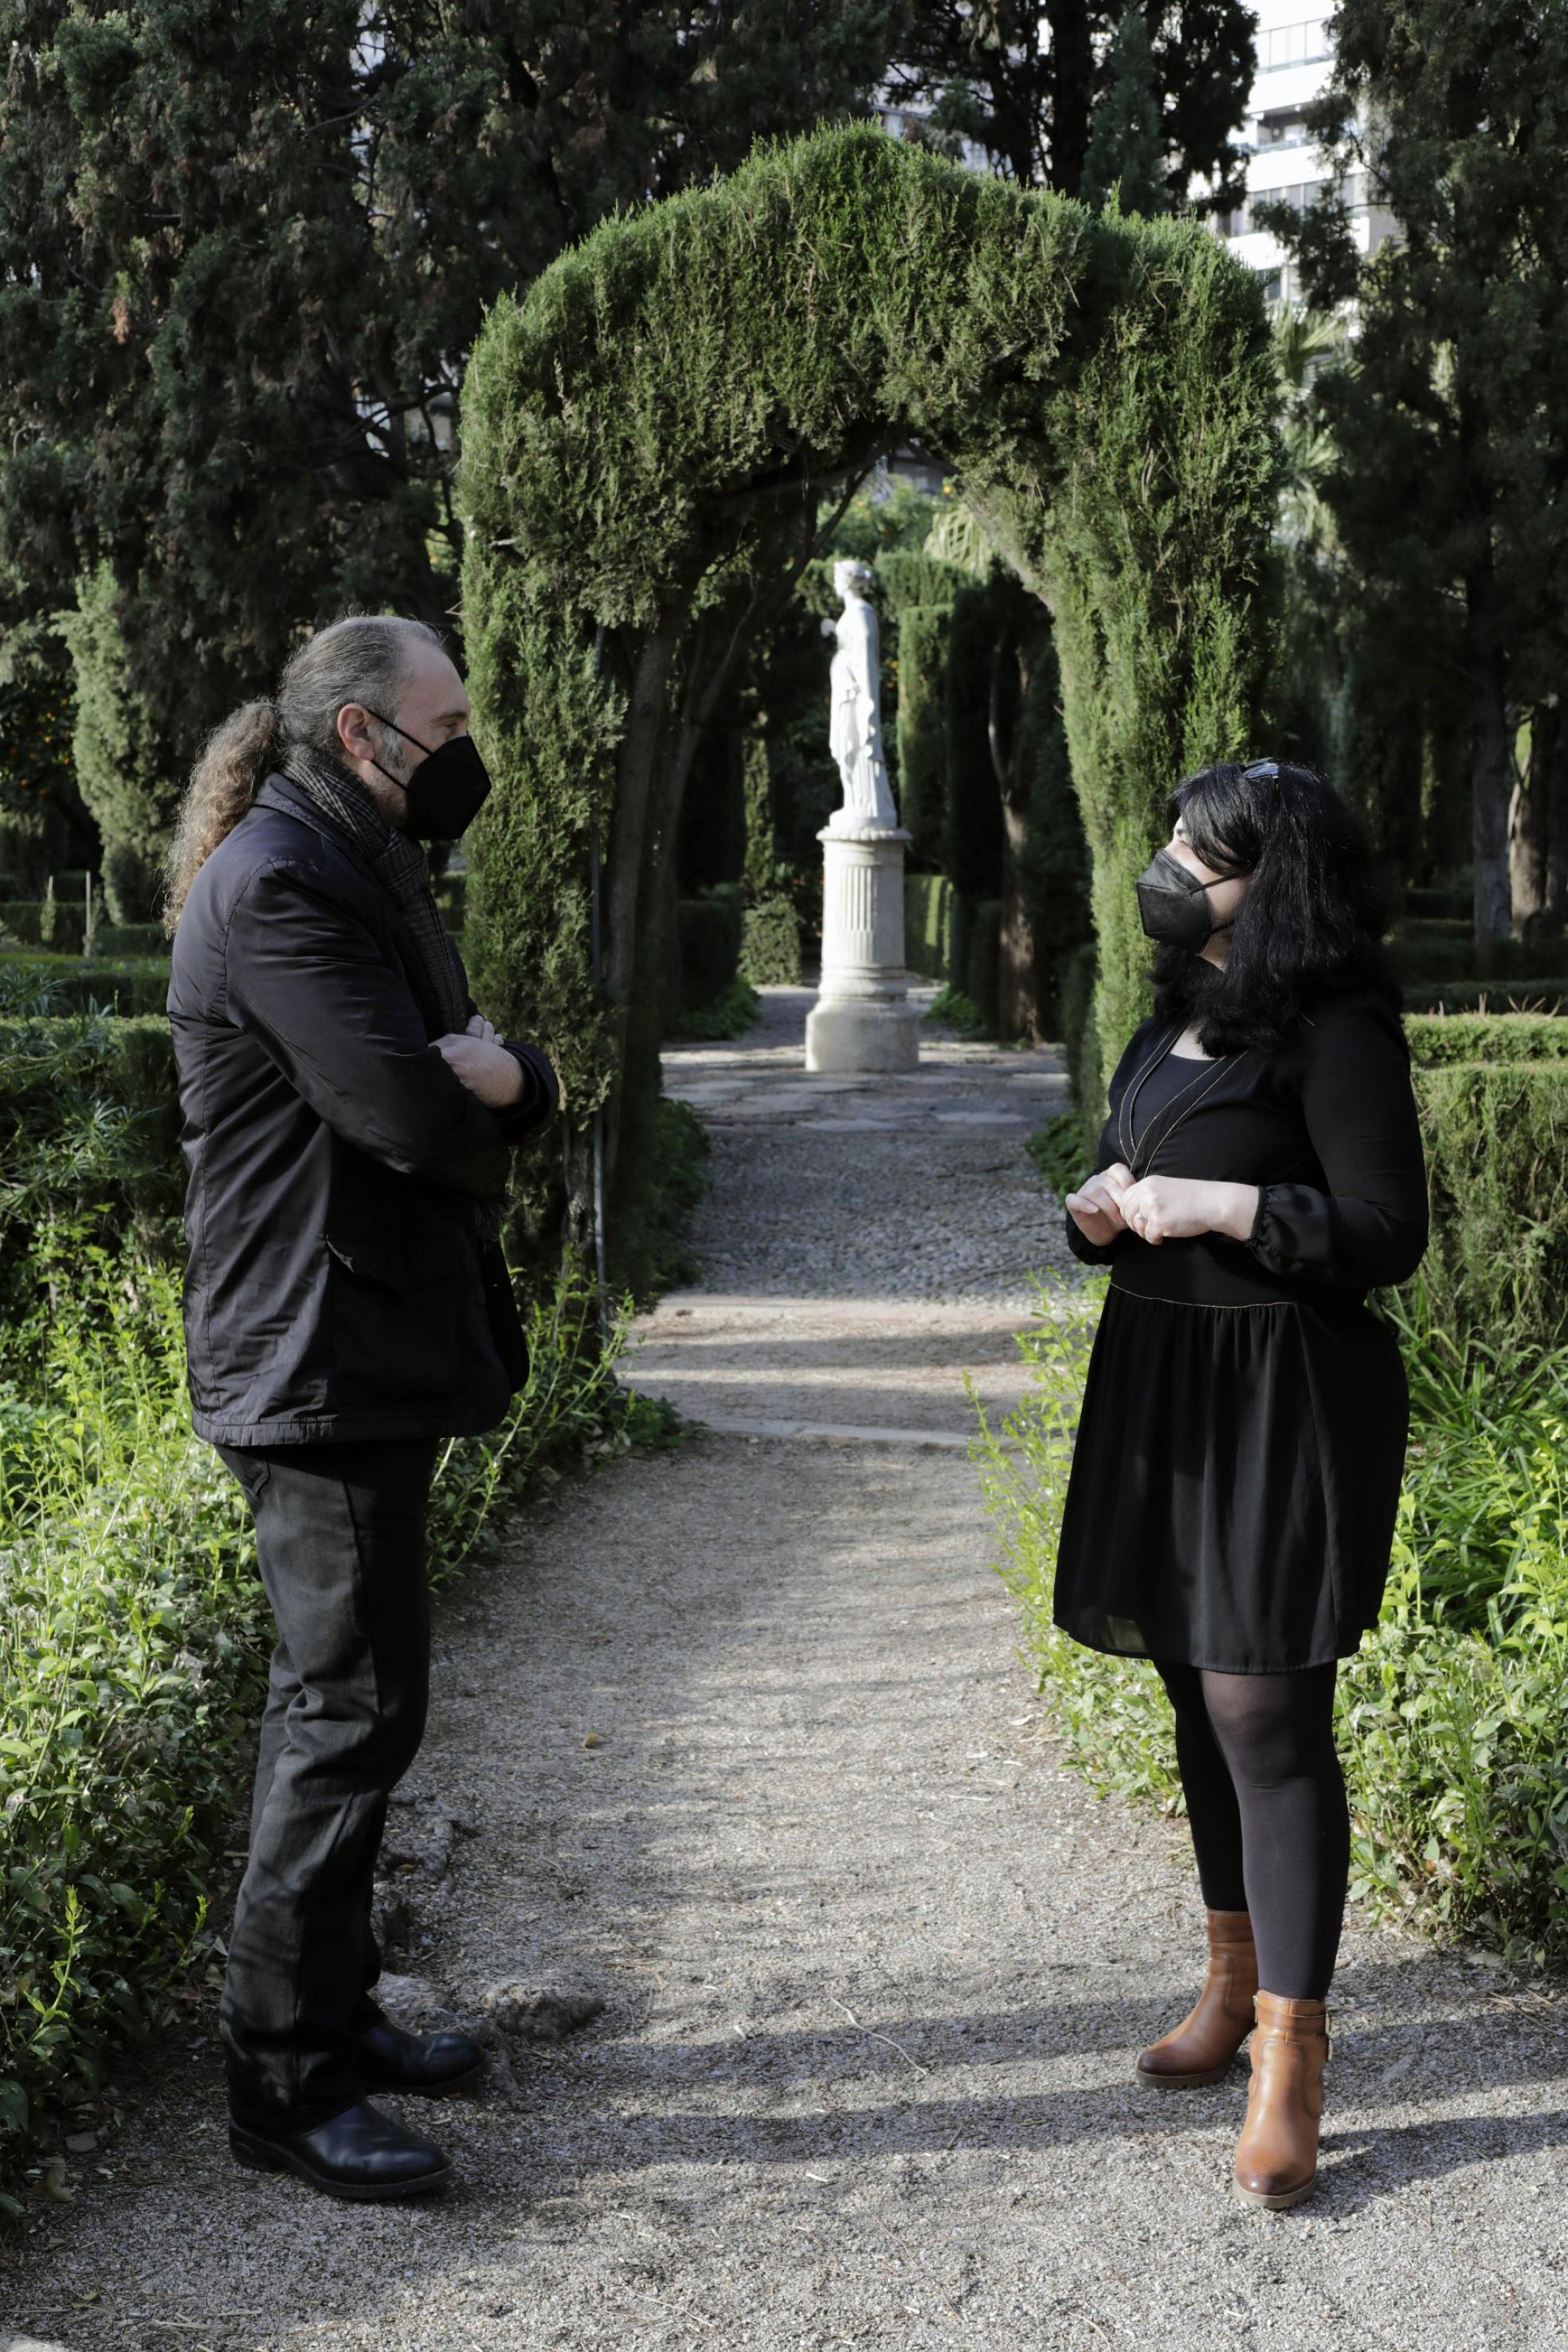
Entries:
{"x":1491,"y":765}
{"x":1017,"y":992}
{"x":634,"y":785}
{"x":1538,"y":855}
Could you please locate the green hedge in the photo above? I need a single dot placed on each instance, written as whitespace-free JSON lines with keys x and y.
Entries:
{"x":711,"y":930}
{"x":932,"y":917}
{"x":1427,"y":952}
{"x":40,"y":984}
{"x":23,"y":919}
{"x":982,"y":972}
{"x":1487,"y":996}
{"x":1496,"y":1135}
{"x":129,"y":940}
{"x":1486,"y":1037}
{"x":770,"y":944}
{"x":922,"y":725}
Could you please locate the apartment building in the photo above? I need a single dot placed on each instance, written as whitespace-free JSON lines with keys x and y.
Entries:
{"x":1293,"y":61}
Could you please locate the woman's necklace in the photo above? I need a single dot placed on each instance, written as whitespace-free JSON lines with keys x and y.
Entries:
{"x":1155,"y":1141}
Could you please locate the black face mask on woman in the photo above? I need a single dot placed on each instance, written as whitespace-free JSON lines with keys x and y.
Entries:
{"x":447,"y":789}
{"x":1173,"y":906}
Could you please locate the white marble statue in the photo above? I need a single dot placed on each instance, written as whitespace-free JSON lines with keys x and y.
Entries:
{"x":855,"y":730}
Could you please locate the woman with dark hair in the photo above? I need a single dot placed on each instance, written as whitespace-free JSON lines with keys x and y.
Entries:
{"x":1238,"y":1458}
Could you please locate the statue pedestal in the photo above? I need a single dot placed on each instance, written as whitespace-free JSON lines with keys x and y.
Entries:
{"x":862,"y":1019}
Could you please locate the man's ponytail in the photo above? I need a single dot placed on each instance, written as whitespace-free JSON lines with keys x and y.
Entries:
{"x":233,"y":759}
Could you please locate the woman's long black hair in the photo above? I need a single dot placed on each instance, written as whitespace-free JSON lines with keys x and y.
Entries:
{"x":1314,"y":912}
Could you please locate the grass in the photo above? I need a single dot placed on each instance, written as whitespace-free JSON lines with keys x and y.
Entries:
{"x":959,"y":1011}
{"x":1450,"y":1715}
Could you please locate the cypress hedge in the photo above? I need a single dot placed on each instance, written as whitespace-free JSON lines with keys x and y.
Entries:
{"x":770,"y":944}
{"x":646,"y":439}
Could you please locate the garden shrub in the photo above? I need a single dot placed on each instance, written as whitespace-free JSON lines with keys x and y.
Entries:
{"x":62,"y":924}
{"x":134,"y":1651}
{"x":1486,"y":1037}
{"x":982,"y":972}
{"x":930,"y":914}
{"x":35,"y":983}
{"x":770,"y":944}
{"x":711,"y":932}
{"x":1496,"y":1137}
{"x":22,"y":920}
{"x":131,"y":940}
{"x":120,"y":769}
{"x":729,"y":1014}
{"x":972,"y":811}
{"x":922,"y":727}
{"x":1535,"y":995}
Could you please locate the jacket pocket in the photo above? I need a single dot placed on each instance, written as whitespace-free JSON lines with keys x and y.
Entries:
{"x":403,"y":1311}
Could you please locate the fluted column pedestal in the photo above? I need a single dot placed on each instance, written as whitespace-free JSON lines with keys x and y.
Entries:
{"x":862,"y":1019}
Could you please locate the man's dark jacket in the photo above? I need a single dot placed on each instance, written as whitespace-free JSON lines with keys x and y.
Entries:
{"x":338,"y":1284}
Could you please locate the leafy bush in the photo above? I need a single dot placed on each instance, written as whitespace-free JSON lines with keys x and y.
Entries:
{"x":22,"y":920}
{"x":730,"y":1015}
{"x":1498,"y":1260}
{"x":1487,"y":1038}
{"x":710,"y":930}
{"x":959,"y":1011}
{"x":1488,"y":995}
{"x":133,"y":1648}
{"x":60,"y":984}
{"x":131,"y":940}
{"x":931,"y":916}
{"x":770,"y":944}
{"x":983,"y":964}
{"x":922,"y":723}
{"x":1451,"y":1715}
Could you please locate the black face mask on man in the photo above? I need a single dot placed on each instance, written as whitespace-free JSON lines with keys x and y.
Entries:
{"x":447,"y":789}
{"x":1173,"y":906}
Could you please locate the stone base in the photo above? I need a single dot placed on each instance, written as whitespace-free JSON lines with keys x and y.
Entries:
{"x":850,"y":1033}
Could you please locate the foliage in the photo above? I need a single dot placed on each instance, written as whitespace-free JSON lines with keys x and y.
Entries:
{"x":1450,"y":1715}
{"x":133,"y":1648}
{"x":120,"y":766}
{"x":731,"y":1013}
{"x":1028,"y":84}
{"x":244,"y":254}
{"x":1455,"y":996}
{"x":1057,"y":1151}
{"x":710,"y":930}
{"x":770,"y":944}
{"x":1125,"y":164}
{"x":43,"y":824}
{"x":930,"y":920}
{"x":656,"y":1248}
{"x":645,"y":439}
{"x":34,"y":985}
{"x":950,"y":1006}
{"x":1494,"y":1135}
{"x":1486,"y":1037}
{"x":1449,"y":413}
{"x":982,"y":964}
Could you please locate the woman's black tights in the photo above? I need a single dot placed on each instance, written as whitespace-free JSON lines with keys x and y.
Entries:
{"x":1267,"y":1800}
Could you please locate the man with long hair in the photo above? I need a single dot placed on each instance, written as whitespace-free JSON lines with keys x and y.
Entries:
{"x":348,"y":1114}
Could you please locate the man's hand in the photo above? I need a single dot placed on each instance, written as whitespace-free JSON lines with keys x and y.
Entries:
{"x":483,"y":1065}
{"x":1176,"y":1208}
{"x":1096,"y":1209}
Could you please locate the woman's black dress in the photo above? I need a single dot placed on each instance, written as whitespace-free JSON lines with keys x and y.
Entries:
{"x":1238,"y":1458}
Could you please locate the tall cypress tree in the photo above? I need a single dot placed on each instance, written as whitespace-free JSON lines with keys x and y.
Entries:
{"x":243,"y":253}
{"x":1450,"y":418}
{"x":1126,"y":151}
{"x":1023,"y":78}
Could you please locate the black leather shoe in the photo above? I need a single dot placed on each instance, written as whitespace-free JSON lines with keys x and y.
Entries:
{"x":388,"y":2059}
{"x":362,"y":2155}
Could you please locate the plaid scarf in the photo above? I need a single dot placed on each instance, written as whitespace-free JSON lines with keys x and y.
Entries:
{"x":398,"y":864}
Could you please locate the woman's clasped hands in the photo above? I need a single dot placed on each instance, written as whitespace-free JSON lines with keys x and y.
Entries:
{"x":1159,"y":1208}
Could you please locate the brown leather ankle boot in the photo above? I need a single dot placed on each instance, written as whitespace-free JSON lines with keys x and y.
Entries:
{"x":1276,"y":2154}
{"x":1202,"y":2047}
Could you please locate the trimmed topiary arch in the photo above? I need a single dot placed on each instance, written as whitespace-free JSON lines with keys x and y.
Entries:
{"x":648,"y":438}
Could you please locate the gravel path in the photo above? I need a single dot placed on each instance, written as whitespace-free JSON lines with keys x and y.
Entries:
{"x":735,"y":1740}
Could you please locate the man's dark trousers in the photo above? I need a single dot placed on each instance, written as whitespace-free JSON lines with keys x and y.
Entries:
{"x":339,"y":1533}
